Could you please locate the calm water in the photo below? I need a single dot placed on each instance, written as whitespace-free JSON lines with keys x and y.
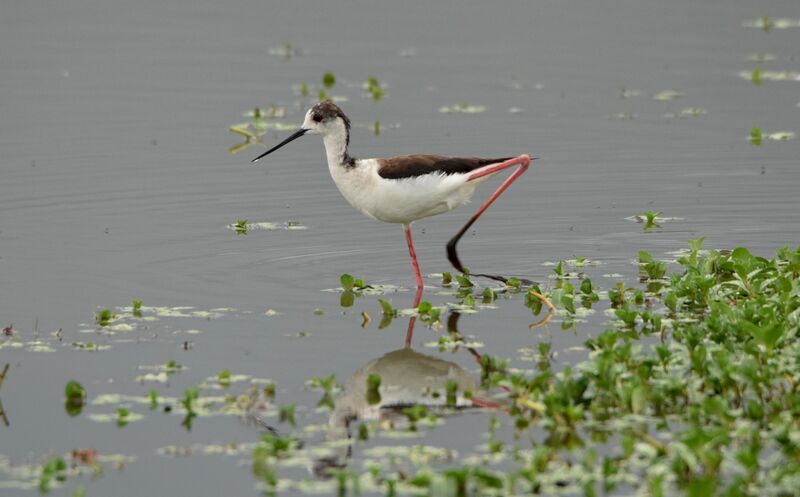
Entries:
{"x":116,"y":184}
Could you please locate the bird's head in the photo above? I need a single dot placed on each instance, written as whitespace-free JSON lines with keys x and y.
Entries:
{"x":325,"y":118}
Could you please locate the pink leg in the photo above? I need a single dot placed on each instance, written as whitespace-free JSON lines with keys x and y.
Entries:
{"x":413,"y":252}
{"x":488,"y":404}
{"x":412,"y":321}
{"x":524,"y":161}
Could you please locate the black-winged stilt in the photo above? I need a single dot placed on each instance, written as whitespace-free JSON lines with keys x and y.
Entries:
{"x":404,"y":188}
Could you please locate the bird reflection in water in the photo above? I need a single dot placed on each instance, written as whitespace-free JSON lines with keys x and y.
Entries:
{"x":407,"y":379}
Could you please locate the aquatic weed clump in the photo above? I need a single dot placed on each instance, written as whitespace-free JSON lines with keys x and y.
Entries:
{"x":694,"y":392}
{"x":693,"y":389}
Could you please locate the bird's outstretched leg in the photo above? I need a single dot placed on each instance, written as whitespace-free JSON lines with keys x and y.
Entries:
{"x":523,"y":161}
{"x":413,"y":253}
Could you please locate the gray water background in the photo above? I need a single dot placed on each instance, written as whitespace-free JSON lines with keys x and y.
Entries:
{"x":116,"y":183}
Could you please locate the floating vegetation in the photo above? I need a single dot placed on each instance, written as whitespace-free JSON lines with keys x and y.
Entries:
{"x":462,"y":109}
{"x":90,"y":346}
{"x":687,"y":112}
{"x":242,"y":227}
{"x":623,"y":116}
{"x":75,"y":398}
{"x":757,"y":136}
{"x":652,"y":219}
{"x":781,"y":136}
{"x":515,"y":110}
{"x":356,"y":287}
{"x":104,"y":317}
{"x":757,"y":76}
{"x":373,"y":88}
{"x":261,"y":121}
{"x":667,"y":95}
{"x":768,"y":23}
{"x":328,"y":80}
{"x":626,"y":93}
{"x":689,"y":391}
{"x":286,"y":51}
{"x":761,"y":57}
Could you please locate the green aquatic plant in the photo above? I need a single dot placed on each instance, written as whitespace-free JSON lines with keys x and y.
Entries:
{"x":755,"y":76}
{"x":286,"y":414}
{"x":463,"y":281}
{"x":122,"y":416}
{"x":756,"y":136}
{"x":766,"y":24}
{"x":373,"y":88}
{"x":388,"y":313}
{"x":189,"y":402}
{"x":373,"y":389}
{"x":329,"y":387}
{"x":54,"y":469}
{"x":224,"y":378}
{"x":363,"y":432}
{"x":350,"y":283}
{"x":240,"y":227}
{"x":451,"y":391}
{"x":415,"y":414}
{"x":692,"y":391}
{"x":649,"y":218}
{"x":428,"y":313}
{"x":75,"y":396}
{"x":649,"y":268}
{"x":328,"y":80}
{"x":104,"y":317}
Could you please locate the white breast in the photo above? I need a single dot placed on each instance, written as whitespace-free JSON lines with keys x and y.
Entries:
{"x":400,"y":200}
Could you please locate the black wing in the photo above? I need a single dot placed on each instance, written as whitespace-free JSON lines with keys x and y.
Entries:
{"x":410,"y":166}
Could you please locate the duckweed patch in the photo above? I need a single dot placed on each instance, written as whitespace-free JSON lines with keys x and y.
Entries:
{"x":242,"y":227}
{"x":462,"y":109}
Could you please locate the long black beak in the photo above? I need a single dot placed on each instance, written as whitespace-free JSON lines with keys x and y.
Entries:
{"x":294,"y":136}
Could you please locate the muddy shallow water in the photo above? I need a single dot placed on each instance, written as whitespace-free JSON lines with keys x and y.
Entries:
{"x":116,"y":184}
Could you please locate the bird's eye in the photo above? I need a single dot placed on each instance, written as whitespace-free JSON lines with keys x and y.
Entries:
{"x":317,"y":118}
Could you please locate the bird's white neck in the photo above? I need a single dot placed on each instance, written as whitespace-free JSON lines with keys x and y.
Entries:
{"x":336,"y":147}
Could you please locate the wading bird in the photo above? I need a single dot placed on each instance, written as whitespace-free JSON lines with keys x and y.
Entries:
{"x":403,"y":188}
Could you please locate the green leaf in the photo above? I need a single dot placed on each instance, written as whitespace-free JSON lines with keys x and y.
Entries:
{"x":75,"y":393}
{"x":387,"y":307}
